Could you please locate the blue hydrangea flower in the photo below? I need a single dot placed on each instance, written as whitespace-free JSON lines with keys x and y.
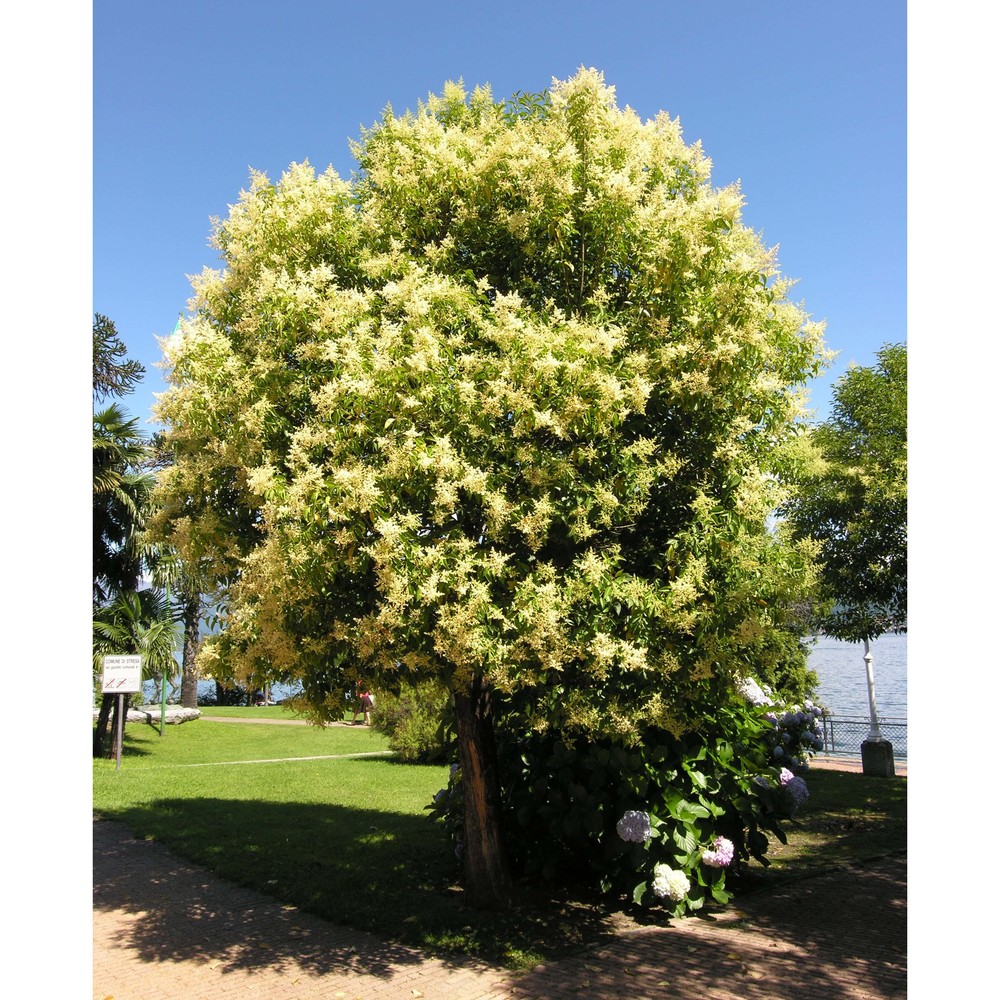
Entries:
{"x":634,"y":827}
{"x":799,"y":792}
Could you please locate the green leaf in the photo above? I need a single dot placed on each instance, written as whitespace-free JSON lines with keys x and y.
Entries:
{"x":720,"y":894}
{"x":698,"y":778}
{"x":684,"y":840}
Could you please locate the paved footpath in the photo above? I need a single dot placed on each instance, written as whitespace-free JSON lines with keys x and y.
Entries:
{"x":165,"y":929}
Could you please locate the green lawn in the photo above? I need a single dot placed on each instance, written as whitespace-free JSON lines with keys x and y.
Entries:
{"x":278,"y":712}
{"x":848,"y":818}
{"x":348,"y":838}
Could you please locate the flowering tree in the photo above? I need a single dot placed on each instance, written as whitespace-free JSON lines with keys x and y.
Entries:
{"x":504,"y":411}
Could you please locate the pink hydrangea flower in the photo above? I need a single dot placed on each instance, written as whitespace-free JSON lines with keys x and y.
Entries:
{"x":721,"y":853}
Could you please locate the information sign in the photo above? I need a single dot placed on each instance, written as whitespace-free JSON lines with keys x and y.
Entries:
{"x":122,"y":675}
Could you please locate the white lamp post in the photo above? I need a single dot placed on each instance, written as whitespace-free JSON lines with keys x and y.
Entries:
{"x":876,"y":751}
{"x":874,"y":733}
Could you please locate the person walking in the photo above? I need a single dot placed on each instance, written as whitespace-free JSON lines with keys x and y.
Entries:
{"x":363,"y":705}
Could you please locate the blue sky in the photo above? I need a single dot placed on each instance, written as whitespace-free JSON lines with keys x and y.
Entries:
{"x":804,"y":103}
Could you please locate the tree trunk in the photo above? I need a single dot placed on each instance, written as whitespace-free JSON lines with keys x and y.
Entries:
{"x":120,"y":706}
{"x":101,"y":726}
{"x":192,"y":640}
{"x":487,"y":873}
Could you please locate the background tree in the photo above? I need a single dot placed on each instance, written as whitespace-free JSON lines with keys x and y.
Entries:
{"x":122,"y":491}
{"x":202,"y":524}
{"x":852,"y":500}
{"x":505,"y":412}
{"x":188,"y":606}
{"x":121,"y":486}
{"x":115,"y":374}
{"x":125,"y":621}
{"x":134,"y":622}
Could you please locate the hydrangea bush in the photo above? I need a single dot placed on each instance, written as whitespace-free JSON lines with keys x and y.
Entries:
{"x":795,"y":736}
{"x":795,"y":730}
{"x":663,"y":822}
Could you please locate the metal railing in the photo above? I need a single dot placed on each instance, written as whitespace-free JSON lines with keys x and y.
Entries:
{"x":845,"y":734}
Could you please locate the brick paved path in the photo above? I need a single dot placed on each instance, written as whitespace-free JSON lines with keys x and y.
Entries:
{"x":165,"y":929}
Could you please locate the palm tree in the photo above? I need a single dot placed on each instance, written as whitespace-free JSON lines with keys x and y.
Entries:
{"x":167,"y":570}
{"x":122,"y":494}
{"x":135,"y":622}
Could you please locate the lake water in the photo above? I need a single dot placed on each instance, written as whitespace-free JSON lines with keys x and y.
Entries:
{"x":843,"y":681}
{"x":206,"y":691}
{"x":843,"y":685}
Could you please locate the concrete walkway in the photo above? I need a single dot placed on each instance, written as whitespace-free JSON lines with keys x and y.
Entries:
{"x":165,"y":929}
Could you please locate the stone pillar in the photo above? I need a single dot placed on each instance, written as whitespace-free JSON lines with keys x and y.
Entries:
{"x":876,"y":758}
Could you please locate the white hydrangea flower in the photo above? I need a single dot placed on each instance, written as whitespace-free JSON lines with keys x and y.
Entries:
{"x":670,"y":884}
{"x":753,"y":692}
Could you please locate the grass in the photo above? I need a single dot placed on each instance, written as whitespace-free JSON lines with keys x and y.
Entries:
{"x":281,"y":712}
{"x":348,"y":838}
{"x":848,"y":818}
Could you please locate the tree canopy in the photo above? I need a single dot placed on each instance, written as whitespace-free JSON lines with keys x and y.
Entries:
{"x":121,"y":501}
{"x":506,"y":410}
{"x":122,"y":488}
{"x":852,"y":500}
{"x":115,"y":374}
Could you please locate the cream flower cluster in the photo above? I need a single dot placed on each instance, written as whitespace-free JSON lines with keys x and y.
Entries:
{"x":438,"y":414}
{"x":668,"y":883}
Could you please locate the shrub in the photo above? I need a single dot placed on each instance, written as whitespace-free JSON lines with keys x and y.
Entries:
{"x":208,"y":697}
{"x":794,"y":736}
{"x":794,"y":730}
{"x":414,"y":721}
{"x":662,"y":821}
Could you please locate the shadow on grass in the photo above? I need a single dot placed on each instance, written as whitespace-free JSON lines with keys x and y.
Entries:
{"x":383,"y":873}
{"x":365,"y":870}
{"x":131,"y":747}
{"x":179,"y":913}
{"x":848,"y":819}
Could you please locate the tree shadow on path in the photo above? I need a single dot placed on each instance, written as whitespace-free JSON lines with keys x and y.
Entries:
{"x":181,"y":912}
{"x":840,"y":935}
{"x":837,"y":936}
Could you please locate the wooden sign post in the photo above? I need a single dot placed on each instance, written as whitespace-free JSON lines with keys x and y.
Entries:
{"x":122,"y":675}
